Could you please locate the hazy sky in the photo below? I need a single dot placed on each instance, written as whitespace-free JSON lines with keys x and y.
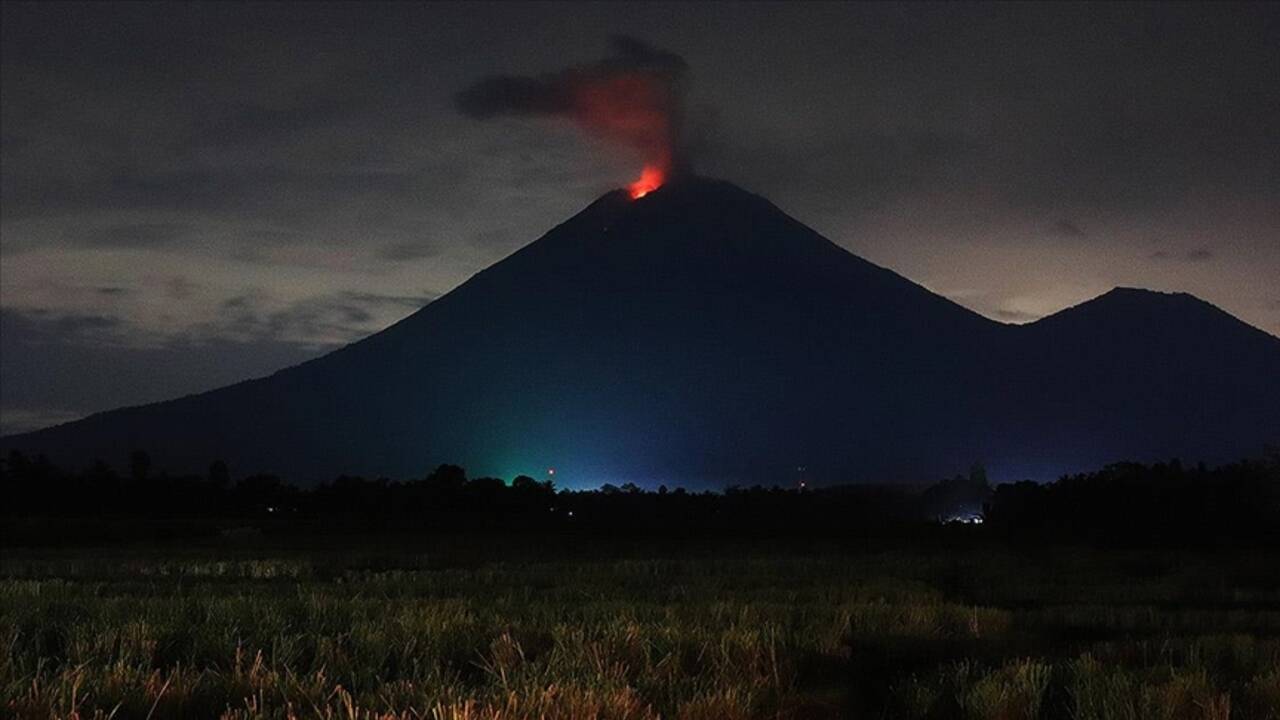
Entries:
{"x":196,"y":194}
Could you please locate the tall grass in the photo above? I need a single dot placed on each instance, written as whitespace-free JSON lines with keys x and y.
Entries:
{"x":740,"y":632}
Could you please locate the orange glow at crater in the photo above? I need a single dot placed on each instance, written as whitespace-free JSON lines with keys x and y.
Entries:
{"x":651,"y":178}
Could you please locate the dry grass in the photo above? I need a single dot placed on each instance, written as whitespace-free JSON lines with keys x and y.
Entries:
{"x":740,"y":633}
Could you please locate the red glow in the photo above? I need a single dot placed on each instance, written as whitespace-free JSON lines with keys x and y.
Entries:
{"x":651,"y":178}
{"x":635,"y":109}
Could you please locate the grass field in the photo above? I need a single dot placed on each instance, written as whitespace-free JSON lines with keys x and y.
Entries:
{"x":500,"y":628}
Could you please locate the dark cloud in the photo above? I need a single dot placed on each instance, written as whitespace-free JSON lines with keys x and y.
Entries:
{"x":496,"y":236}
{"x":265,"y":123}
{"x":893,"y":100}
{"x":851,"y":170}
{"x":126,"y":235}
{"x":58,"y":368}
{"x":321,"y":321}
{"x":414,"y":302}
{"x":1134,"y":120}
{"x":277,"y":191}
{"x":1195,"y":255}
{"x":1067,"y":228}
{"x":61,"y":366}
{"x":46,"y":326}
{"x":180,"y":288}
{"x":408,"y":250}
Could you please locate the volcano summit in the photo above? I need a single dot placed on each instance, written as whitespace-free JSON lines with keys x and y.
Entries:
{"x":700,"y":336}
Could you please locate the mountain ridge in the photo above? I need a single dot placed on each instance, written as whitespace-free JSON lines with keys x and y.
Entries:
{"x":701,"y":335}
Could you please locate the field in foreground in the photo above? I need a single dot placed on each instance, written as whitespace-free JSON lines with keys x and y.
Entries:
{"x":505,"y":628}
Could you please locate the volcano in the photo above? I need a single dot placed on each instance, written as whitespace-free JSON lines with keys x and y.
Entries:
{"x":700,"y":336}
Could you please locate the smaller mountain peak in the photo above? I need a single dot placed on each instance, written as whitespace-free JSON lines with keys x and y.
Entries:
{"x":1136,"y":308}
{"x":1131,"y":299}
{"x":1133,"y":294}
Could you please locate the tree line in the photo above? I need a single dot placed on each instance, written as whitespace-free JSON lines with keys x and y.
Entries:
{"x":1128,"y":503}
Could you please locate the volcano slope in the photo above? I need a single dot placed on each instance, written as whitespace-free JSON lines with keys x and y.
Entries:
{"x":701,"y":336}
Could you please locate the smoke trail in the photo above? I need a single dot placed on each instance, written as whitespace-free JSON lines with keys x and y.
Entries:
{"x":634,"y":98}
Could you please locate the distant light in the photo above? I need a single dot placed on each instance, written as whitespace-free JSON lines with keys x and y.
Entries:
{"x":570,"y":513}
{"x":551,"y":471}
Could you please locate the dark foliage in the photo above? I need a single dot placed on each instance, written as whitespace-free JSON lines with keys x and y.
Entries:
{"x":1165,"y":503}
{"x":1128,"y":503}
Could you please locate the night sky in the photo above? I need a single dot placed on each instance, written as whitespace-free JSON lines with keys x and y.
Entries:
{"x":197,"y":194}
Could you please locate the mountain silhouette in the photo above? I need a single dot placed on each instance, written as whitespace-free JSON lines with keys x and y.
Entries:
{"x":701,"y":336}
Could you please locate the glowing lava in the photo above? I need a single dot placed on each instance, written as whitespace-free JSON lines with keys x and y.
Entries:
{"x":651,"y":178}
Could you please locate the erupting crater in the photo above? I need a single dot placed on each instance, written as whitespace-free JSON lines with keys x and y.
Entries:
{"x":651,"y":178}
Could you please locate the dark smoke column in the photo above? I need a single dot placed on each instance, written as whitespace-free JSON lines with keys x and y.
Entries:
{"x":633,"y":98}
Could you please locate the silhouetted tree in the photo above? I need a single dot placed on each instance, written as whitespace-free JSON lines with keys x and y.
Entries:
{"x":531,"y":488}
{"x":1123,"y":503}
{"x":959,"y":496}
{"x":219,"y":475}
{"x":449,"y":478}
{"x":139,"y":466}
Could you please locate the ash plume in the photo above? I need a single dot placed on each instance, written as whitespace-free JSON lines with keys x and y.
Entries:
{"x":634,"y":98}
